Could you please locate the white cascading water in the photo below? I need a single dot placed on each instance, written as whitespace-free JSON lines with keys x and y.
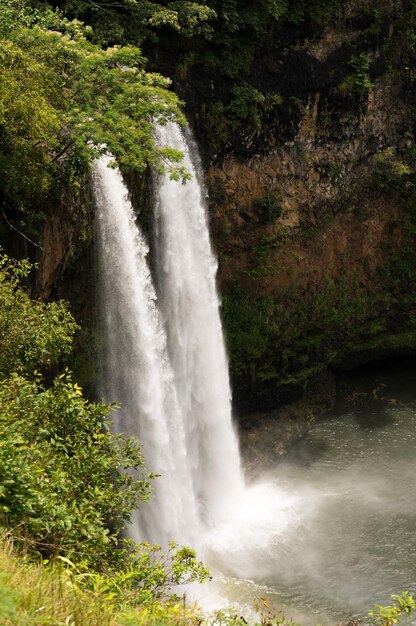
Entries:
{"x":170,"y":375}
{"x":186,"y":270}
{"x":136,"y":368}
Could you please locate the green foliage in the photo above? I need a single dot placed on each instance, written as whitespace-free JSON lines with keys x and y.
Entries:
{"x":240,"y":117}
{"x":270,"y":206}
{"x":32,"y":594}
{"x":403,"y":604}
{"x":299,"y":11}
{"x":60,"y":94}
{"x":286,"y":337}
{"x":29,"y":121}
{"x":389,"y":173}
{"x":407,"y":32}
{"x":244,"y":104}
{"x":358,"y":81}
{"x":163,"y":614}
{"x":190,"y":18}
{"x":400,"y":267}
{"x":133,"y":21}
{"x":243,"y":27}
{"x":261,"y":265}
{"x":237,"y":34}
{"x":58,"y":593}
{"x":62,"y":484}
{"x":224,"y":33}
{"x":148,"y":575}
{"x":375,"y":17}
{"x":217,"y":192}
{"x":285,"y":334}
{"x":252,"y":328}
{"x":33,"y":334}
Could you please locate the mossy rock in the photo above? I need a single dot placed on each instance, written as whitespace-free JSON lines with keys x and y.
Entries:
{"x":379,"y":348}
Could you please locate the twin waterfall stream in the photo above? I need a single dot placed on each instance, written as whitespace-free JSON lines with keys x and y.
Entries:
{"x":330,"y":528}
{"x":164,"y":356}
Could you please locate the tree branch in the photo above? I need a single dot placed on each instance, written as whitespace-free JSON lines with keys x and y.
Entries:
{"x":62,"y":152}
{"x":20,"y":233}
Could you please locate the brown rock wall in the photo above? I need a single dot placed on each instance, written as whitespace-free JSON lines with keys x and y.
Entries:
{"x":322,"y":229}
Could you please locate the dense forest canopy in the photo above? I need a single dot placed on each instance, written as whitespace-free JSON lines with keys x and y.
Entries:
{"x":224,"y":34}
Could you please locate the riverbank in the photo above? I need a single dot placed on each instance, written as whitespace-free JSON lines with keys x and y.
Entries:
{"x":265,"y":437}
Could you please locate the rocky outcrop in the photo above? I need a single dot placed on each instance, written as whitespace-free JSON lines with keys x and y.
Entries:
{"x":315,"y":184}
{"x":266,"y":437}
{"x":315,"y":211}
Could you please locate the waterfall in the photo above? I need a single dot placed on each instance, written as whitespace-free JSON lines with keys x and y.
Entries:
{"x":136,"y":369}
{"x":189,"y":304}
{"x":164,"y":358}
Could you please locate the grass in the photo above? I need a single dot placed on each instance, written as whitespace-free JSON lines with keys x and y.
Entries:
{"x":34,"y":594}
{"x":48,"y":595}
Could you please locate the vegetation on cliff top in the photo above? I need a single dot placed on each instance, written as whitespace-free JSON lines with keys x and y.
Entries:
{"x":64,"y":100}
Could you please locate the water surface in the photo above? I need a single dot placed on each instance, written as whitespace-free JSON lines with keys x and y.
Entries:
{"x":331,"y":530}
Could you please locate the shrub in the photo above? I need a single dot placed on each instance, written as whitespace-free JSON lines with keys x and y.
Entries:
{"x":245,"y":103}
{"x":269,"y":206}
{"x":33,"y":334}
{"x":56,"y":594}
{"x":358,"y":80}
{"x":389,"y":173}
{"x":64,"y":485}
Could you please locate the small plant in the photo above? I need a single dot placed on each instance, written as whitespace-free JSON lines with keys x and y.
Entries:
{"x":389,"y":173}
{"x":358,"y":80}
{"x":217,"y":192}
{"x":270,"y":618}
{"x":375,"y":18}
{"x":269,"y":206}
{"x":273,"y":99}
{"x":245,"y":104}
{"x":403,"y":604}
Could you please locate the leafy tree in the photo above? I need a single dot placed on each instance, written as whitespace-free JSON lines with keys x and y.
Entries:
{"x":62,"y":95}
{"x":134,"y":21}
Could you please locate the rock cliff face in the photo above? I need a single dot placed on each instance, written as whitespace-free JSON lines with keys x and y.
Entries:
{"x":317,"y":185}
{"x":313,"y":206}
